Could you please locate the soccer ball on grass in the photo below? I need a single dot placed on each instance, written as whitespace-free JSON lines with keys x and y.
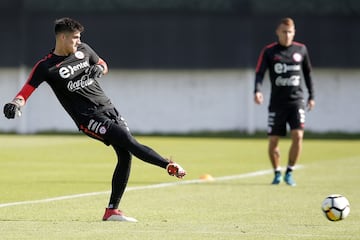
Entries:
{"x":335,"y":207}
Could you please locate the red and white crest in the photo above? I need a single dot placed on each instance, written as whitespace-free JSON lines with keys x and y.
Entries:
{"x":79,"y":55}
{"x":297,"y":57}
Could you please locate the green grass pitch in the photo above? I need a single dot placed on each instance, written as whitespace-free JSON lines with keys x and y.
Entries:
{"x":34,"y":168}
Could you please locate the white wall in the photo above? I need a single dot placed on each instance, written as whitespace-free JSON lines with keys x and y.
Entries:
{"x":183,"y":101}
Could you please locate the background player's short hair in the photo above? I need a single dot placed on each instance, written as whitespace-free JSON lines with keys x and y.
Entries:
{"x":67,"y":25}
{"x":287,"y":21}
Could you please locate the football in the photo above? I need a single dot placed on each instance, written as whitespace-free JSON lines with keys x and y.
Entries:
{"x":335,"y":207}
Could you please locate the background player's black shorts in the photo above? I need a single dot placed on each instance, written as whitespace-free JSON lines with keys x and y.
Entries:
{"x":279,"y":117}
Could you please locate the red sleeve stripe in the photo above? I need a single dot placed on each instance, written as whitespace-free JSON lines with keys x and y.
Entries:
{"x":36,"y":65}
{"x":28,"y":89}
{"x":25,"y":92}
{"x":261,"y":57}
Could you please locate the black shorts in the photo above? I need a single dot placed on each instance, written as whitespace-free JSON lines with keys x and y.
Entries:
{"x":101,"y":126}
{"x":279,"y":117}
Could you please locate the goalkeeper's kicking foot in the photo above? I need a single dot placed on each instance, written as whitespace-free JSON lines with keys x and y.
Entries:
{"x":175,"y":169}
{"x":116,"y":215}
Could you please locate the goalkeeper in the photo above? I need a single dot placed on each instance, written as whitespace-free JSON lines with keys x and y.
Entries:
{"x":72,"y":69}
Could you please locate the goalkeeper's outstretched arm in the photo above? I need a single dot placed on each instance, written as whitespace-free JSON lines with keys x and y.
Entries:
{"x":13,"y":108}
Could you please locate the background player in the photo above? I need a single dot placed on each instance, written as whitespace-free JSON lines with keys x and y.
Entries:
{"x":287,"y":61}
{"x":72,"y":69}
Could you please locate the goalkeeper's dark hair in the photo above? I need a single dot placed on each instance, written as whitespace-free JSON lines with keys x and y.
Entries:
{"x":67,"y":25}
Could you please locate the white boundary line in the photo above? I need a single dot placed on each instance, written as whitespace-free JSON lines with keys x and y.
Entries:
{"x":160,"y":185}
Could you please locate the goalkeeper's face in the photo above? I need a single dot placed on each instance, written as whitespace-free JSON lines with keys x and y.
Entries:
{"x":71,"y":41}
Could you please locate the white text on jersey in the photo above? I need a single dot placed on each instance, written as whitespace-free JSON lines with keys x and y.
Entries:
{"x":66,"y":72}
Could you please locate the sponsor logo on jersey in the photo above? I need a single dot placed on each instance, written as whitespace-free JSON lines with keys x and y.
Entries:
{"x":284,"y":68}
{"x":67,"y":71}
{"x":277,"y":57}
{"x":291,"y":81}
{"x":58,"y":65}
{"x":79,"y":84}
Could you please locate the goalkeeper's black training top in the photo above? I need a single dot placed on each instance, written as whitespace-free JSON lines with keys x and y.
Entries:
{"x":68,"y":76}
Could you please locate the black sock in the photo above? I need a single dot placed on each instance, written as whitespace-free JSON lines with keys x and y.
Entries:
{"x":289,"y":170}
